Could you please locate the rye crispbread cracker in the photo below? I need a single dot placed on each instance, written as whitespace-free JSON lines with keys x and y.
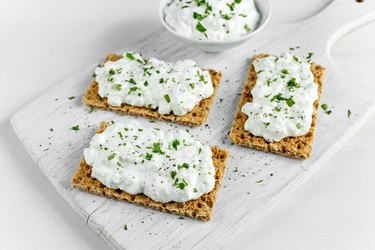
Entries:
{"x":200,"y":208}
{"x":297,"y":147}
{"x":194,"y":118}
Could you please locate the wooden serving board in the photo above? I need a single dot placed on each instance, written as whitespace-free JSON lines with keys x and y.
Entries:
{"x":254,"y":181}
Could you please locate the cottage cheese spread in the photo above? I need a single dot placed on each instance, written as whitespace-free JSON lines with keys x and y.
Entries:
{"x":212,"y":20}
{"x":170,"y":87}
{"x":164,"y":166}
{"x":283,"y":98}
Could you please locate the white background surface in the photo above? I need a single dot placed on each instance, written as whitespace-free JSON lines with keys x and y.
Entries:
{"x":42,"y":42}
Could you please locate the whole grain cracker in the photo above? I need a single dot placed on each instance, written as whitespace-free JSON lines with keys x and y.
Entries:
{"x":196,"y":117}
{"x":200,"y":208}
{"x":296,"y":147}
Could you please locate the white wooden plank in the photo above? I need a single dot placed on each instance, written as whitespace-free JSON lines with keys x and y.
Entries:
{"x":242,"y":200}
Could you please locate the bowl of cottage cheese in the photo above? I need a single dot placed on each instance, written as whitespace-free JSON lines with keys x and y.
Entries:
{"x":214,"y":25}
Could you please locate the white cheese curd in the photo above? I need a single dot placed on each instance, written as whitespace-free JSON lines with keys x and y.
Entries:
{"x":164,"y":166}
{"x":170,"y":87}
{"x":212,"y":20}
{"x":283,"y":98}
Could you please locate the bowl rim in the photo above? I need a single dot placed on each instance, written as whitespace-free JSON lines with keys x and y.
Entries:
{"x":163,"y":3}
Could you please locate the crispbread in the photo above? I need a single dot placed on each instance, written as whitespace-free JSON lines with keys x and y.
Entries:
{"x":194,"y":118}
{"x":200,"y":208}
{"x":297,"y":147}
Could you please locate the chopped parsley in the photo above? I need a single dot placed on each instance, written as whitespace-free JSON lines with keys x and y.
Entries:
{"x":259,"y":181}
{"x":130,"y":56}
{"x":192,"y":85}
{"x":117,"y":87}
{"x":201,"y":77}
{"x":156,"y":148}
{"x":308,"y":58}
{"x":295,"y":58}
{"x":111,"y":157}
{"x":75,"y":128}
{"x":184,"y":165}
{"x":324,"y":106}
{"x":125,"y":227}
{"x":226,"y":16}
{"x":247,"y":28}
{"x":131,"y":80}
{"x":266,"y":124}
{"x":279,"y":97}
{"x":349,"y":113}
{"x":175,"y":143}
{"x":181,"y":185}
{"x":166,"y":97}
{"x":298,"y":125}
{"x":111,"y":72}
{"x":120,"y":135}
{"x":91,"y":108}
{"x":71,"y":98}
{"x":200,"y":28}
{"x":148,"y":156}
{"x":198,"y":16}
{"x":132,"y":89}
{"x":195,"y":190}
{"x":293,"y":84}
{"x":284,"y":71}
{"x":173,"y":174}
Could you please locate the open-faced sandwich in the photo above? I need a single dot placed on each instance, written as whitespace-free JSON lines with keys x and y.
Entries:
{"x":179,"y":92}
{"x":168,"y":171}
{"x":278,"y":107}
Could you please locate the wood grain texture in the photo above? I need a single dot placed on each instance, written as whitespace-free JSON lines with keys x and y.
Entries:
{"x":262,"y":180}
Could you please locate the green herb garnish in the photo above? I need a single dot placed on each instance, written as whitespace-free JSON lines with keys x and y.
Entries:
{"x":75,"y":128}
{"x":279,"y":97}
{"x":117,"y":87}
{"x":173,"y":174}
{"x":130,"y":56}
{"x":308,"y":58}
{"x":184,"y":165}
{"x":111,"y":157}
{"x":324,"y":106}
{"x":293,"y":84}
{"x":156,"y":148}
{"x":198,"y":16}
{"x":200,"y":28}
{"x":166,"y":97}
{"x":175,"y":143}
{"x":247,"y":28}
{"x":71,"y":98}
{"x":349,"y":113}
{"x":148,"y":156}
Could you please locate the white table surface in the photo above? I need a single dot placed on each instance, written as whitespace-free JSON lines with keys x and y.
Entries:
{"x":44,"y":41}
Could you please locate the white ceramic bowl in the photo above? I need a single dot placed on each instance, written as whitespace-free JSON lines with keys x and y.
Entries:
{"x":263,"y":7}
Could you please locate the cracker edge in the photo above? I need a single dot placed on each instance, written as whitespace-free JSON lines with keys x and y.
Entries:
{"x":295,"y":147}
{"x":196,"y":117}
{"x":200,"y":208}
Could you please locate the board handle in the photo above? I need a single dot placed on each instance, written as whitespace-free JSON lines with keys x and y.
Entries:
{"x":340,"y":17}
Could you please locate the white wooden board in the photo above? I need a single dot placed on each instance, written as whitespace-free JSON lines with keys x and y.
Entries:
{"x":262,"y":180}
